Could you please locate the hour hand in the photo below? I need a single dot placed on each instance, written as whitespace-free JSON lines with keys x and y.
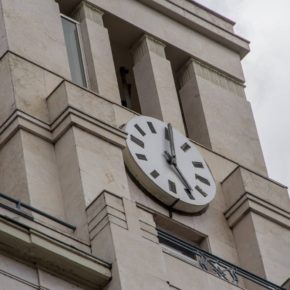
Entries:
{"x":181,"y":176}
{"x":171,"y":142}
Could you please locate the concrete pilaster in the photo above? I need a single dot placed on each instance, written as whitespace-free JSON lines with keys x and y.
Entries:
{"x":98,"y":52}
{"x":218,"y":115}
{"x":125,"y":235}
{"x":89,"y":155}
{"x":154,"y":81}
{"x":258,"y":214}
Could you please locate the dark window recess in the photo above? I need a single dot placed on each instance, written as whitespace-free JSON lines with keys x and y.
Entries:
{"x":176,"y":244}
{"x":126,"y":90}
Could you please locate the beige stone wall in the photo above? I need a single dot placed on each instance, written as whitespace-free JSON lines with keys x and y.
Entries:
{"x":35,"y":34}
{"x":274,"y":243}
{"x":61,"y":152}
{"x":176,"y":33}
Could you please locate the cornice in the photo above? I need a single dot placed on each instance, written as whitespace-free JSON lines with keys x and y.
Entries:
{"x":71,"y":117}
{"x":181,"y":14}
{"x":249,"y":202}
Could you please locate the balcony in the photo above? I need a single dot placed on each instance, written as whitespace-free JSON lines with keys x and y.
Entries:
{"x":214,"y":265}
{"x":38,"y":238}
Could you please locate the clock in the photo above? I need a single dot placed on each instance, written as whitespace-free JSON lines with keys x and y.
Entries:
{"x":168,"y":165}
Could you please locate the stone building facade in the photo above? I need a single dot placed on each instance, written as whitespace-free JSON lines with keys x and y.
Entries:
{"x":72,"y":73}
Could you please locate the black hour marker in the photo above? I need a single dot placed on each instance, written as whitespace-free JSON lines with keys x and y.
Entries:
{"x":151,"y":127}
{"x":200,"y":191}
{"x":141,"y":156}
{"x":197,"y":164}
{"x":202,"y":179}
{"x":154,"y":174}
{"x":172,"y":186}
{"x":166,"y":134}
{"x":189,"y":193}
{"x":185,"y":147}
{"x":140,"y":130}
{"x":137,"y":141}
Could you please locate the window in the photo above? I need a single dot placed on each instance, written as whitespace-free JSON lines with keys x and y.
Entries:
{"x":176,"y":244}
{"x":178,"y":238}
{"x":74,"y":52}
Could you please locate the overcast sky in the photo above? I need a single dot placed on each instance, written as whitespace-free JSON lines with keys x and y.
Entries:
{"x":266,"y":24}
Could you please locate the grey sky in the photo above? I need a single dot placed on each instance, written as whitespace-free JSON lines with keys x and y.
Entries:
{"x":267,"y":71}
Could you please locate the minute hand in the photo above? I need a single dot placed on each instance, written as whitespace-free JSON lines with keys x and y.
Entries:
{"x":186,"y":184}
{"x":168,"y":158}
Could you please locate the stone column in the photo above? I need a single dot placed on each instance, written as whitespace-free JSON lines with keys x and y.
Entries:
{"x":88,"y":150}
{"x":98,"y":52}
{"x":154,"y":81}
{"x":218,"y":115}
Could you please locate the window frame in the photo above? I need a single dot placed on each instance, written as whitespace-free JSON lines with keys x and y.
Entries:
{"x":81,"y":45}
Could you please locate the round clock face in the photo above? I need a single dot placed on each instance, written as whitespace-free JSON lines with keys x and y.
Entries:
{"x":168,"y":165}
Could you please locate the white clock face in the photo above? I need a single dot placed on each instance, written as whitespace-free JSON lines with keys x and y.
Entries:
{"x":168,"y":165}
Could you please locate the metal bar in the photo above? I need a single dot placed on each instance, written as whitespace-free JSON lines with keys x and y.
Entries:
{"x":42,"y":213}
{"x":17,"y":211}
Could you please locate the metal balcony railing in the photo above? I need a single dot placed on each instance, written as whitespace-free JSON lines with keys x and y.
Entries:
{"x":19,"y":205}
{"x":213,"y":264}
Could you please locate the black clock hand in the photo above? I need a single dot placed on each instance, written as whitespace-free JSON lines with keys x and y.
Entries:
{"x":172,"y":159}
{"x":171,"y":141}
{"x":168,"y":158}
{"x":188,"y":187}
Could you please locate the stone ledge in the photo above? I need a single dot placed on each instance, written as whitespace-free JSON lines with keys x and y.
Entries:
{"x":55,"y":256}
{"x":193,"y":68}
{"x":41,"y":114}
{"x":242,"y":180}
{"x":71,"y":117}
{"x":248,"y":202}
{"x":149,"y":232}
{"x":107,"y":208}
{"x":48,"y":228}
{"x":70,"y":95}
{"x":147,"y":224}
{"x":20,"y":120}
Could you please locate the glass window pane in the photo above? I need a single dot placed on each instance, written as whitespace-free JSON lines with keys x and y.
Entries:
{"x":74,"y":52}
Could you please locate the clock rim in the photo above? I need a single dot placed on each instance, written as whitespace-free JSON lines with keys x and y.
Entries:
{"x":150,"y":185}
